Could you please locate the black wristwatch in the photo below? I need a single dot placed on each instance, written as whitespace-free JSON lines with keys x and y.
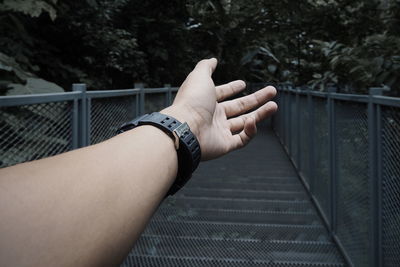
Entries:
{"x":186,"y":144}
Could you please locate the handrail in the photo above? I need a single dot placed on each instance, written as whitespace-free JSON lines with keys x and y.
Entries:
{"x":112,"y":93}
{"x":18,"y":100}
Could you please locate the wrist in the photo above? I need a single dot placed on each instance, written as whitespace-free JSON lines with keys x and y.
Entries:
{"x":184,"y":114}
{"x":186,"y":143}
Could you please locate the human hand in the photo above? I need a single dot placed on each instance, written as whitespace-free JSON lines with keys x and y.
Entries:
{"x":220,"y":126}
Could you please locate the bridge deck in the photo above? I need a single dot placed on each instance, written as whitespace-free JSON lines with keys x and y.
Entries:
{"x":246,"y":209}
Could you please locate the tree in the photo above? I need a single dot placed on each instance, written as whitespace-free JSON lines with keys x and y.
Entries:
{"x":111,"y":44}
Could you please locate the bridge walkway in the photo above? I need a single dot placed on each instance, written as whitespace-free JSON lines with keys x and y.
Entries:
{"x":248,"y":208}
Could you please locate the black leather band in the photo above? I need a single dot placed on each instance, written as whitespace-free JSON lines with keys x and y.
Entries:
{"x":189,"y":153}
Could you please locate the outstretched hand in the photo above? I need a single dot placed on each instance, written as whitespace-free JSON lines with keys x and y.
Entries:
{"x":220,"y":126}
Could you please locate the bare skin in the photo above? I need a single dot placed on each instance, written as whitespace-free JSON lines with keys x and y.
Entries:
{"x":88,"y":207}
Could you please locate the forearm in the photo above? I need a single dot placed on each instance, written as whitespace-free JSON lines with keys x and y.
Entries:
{"x":88,"y":205}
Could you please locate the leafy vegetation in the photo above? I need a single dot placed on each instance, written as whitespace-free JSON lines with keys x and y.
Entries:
{"x":114,"y":43}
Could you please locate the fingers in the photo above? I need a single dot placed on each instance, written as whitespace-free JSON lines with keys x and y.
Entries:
{"x":246,"y":103}
{"x":229,"y":89}
{"x":238,"y":123}
{"x":244,"y":137}
{"x":246,"y":124}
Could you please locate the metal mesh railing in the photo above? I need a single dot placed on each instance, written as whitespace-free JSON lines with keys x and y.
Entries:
{"x":391,"y":186}
{"x":321,"y":181}
{"x":37,"y":126}
{"x":293,"y":128}
{"x":304,"y":138}
{"x":107,"y":114}
{"x":31,"y":132}
{"x":353,"y":193}
{"x":352,"y":146}
{"x":277,"y":120}
{"x":287,"y":118}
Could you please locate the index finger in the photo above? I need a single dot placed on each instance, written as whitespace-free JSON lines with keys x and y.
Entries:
{"x":229,"y":89}
{"x":243,"y":104}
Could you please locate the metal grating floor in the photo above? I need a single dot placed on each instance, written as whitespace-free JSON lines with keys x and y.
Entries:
{"x":245,"y":209}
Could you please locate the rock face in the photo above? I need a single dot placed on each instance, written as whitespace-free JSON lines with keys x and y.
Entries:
{"x":34,"y":86}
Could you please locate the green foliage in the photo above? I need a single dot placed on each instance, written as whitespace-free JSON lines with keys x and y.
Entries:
{"x":112,"y":44}
{"x":375,"y":62}
{"x":33,"y":8}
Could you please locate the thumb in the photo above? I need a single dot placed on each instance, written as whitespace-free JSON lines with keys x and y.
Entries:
{"x":206,"y":66}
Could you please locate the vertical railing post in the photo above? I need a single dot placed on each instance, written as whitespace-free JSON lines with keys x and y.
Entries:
{"x":287,"y":117}
{"x":289,"y":120}
{"x":137,"y":104}
{"x":297,"y":123}
{"x":140,"y":86}
{"x":332,"y":158}
{"x":282,"y":110}
{"x":282,"y":116}
{"x":375,"y":177}
{"x":168,"y":99}
{"x":75,"y":121}
{"x":88,"y":120}
{"x":278,"y":117}
{"x":82,"y":116}
{"x":379,"y":188}
{"x":311,"y":140}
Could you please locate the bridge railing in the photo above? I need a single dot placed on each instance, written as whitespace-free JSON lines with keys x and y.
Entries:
{"x":346,"y":149}
{"x":42,"y":125}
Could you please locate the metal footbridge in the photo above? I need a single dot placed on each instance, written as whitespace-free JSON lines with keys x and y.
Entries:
{"x":248,"y":208}
{"x":319,"y":186}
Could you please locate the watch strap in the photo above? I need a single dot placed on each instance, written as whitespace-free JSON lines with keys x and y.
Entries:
{"x":188,"y":147}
